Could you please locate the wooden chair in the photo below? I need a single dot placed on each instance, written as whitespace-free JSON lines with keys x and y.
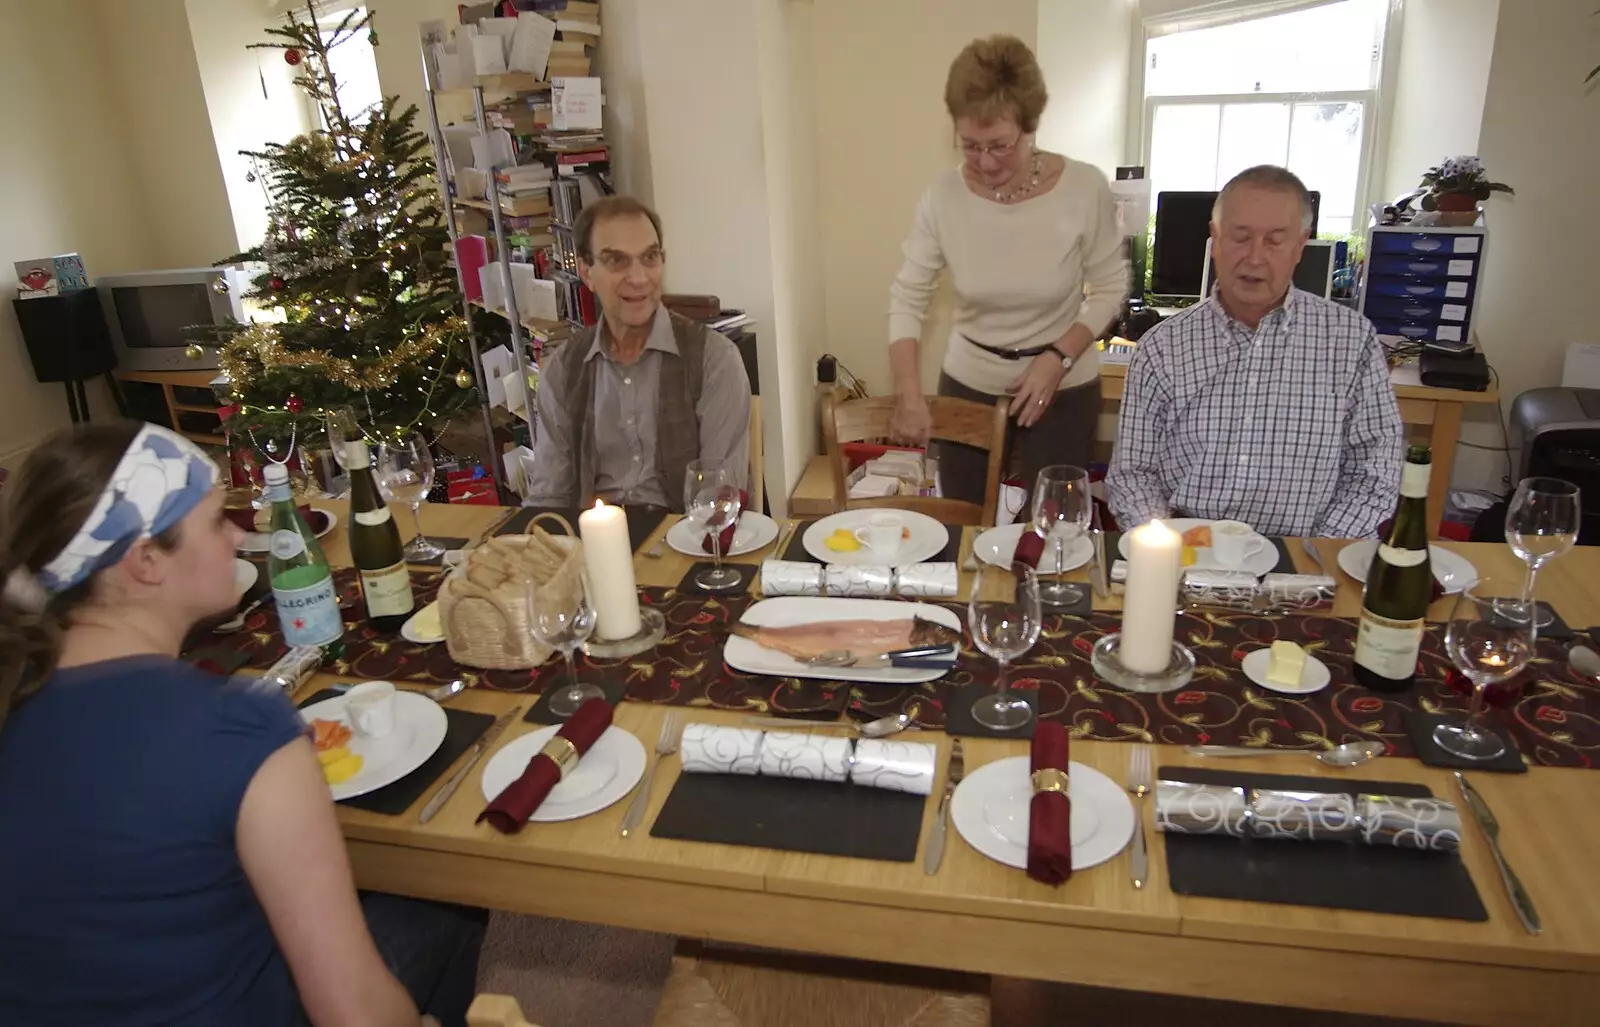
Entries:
{"x":954,"y":420}
{"x":757,"y":457}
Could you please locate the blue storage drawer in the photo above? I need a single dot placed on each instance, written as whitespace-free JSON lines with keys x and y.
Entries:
{"x":1425,"y":267}
{"x":1438,"y":244}
{"x":1416,"y":310}
{"x":1402,"y":287}
{"x":1421,"y":331}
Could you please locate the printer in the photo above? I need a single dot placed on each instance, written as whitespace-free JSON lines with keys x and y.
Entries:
{"x":1555,"y":432}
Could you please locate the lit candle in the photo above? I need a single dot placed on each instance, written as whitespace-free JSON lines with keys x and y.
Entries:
{"x":608,"y":555}
{"x":1149,"y":607}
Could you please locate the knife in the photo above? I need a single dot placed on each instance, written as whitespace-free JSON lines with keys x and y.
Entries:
{"x":933,"y":853}
{"x":1491,"y":830}
{"x":448,"y":789}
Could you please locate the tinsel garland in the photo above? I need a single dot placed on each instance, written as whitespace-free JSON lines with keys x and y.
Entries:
{"x":250,"y":353}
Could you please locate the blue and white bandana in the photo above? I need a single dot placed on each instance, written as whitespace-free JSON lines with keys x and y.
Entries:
{"x":160,"y":478}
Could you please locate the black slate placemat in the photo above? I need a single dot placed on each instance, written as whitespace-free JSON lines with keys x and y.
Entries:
{"x":797,"y":547}
{"x":1420,"y":727}
{"x":642,"y":520}
{"x":539,"y":713}
{"x":834,"y":819}
{"x":446,"y":543}
{"x":1334,"y":875}
{"x":958,"y":719}
{"x":465,"y":728}
{"x":746,"y":572}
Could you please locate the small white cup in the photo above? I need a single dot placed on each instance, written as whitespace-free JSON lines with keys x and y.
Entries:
{"x":1234,"y":542}
{"x":882,"y":534}
{"x":370,"y":706}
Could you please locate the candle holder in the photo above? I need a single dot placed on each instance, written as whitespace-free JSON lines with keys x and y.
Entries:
{"x":1108,"y":665}
{"x":652,"y":628}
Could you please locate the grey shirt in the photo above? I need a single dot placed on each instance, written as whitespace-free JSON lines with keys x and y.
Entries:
{"x":625,"y":422}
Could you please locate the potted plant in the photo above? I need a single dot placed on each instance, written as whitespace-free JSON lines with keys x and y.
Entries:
{"x":1455,"y":188}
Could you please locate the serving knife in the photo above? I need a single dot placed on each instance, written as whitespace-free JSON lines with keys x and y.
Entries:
{"x":1520,"y":899}
{"x":448,"y":789}
{"x":933,"y":852}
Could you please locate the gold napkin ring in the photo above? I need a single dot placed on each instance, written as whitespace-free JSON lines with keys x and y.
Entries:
{"x":1049,"y":779}
{"x":562,"y":752}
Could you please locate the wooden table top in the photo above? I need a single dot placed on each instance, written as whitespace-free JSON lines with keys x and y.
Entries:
{"x":1550,"y":833}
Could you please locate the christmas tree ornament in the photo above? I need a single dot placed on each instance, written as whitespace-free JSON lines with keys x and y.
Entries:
{"x":292,"y":56}
{"x":294,"y":404}
{"x":194,"y":351}
{"x":249,"y":176}
{"x":463,"y":379}
{"x":276,"y":284}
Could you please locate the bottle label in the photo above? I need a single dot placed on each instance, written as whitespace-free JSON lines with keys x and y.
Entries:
{"x":1387,"y":647}
{"x":309,"y":616}
{"x":286,"y":544}
{"x":1414,"y":480}
{"x":276,"y":493}
{"x":388,"y":590}
{"x":356,"y":455}
{"x":1395,"y":557}
{"x":371,"y":517}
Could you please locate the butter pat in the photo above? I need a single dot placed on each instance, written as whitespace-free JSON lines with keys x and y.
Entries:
{"x":1287,"y":662}
{"x":427,"y":622}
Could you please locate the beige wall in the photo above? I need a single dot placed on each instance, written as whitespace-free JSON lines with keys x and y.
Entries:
{"x":1085,"y":48}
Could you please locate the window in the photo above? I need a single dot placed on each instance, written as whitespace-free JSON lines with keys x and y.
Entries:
{"x":1295,"y":89}
{"x":355,"y":69}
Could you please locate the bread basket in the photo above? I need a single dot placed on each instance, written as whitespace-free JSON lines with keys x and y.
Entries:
{"x":483,"y":602}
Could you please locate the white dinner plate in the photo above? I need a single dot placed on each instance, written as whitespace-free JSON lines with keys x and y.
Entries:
{"x":245,"y":575}
{"x":419,"y":729}
{"x":1453,"y":571}
{"x":607,"y":772}
{"x":998,"y":545}
{"x":257,"y":541}
{"x":1314,"y":677}
{"x":410,"y":632}
{"x":928,"y":538}
{"x":990,"y":810}
{"x":744,"y":654}
{"x":1260,"y":562}
{"x":754,"y":531}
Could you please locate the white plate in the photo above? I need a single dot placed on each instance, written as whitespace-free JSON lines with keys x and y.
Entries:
{"x":1258,"y":563}
{"x":1314,"y":677}
{"x":754,"y":531}
{"x":1453,"y":572}
{"x":928,"y":538}
{"x":419,"y":729}
{"x":245,"y":575}
{"x":607,"y":772}
{"x":990,"y":810}
{"x":998,"y":545}
{"x":257,"y":541}
{"x":409,"y":632}
{"x":744,"y":654}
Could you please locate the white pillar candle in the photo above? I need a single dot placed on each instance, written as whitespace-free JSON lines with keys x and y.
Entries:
{"x":608,"y":555}
{"x":1149,"y":607}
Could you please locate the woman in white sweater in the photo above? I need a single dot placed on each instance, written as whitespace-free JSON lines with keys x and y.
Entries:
{"x":1036,"y":260}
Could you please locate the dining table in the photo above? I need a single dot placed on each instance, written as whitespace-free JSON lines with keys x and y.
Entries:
{"x":978,"y":916}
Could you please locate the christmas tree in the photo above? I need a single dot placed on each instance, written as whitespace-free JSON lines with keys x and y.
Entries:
{"x":355,"y":256}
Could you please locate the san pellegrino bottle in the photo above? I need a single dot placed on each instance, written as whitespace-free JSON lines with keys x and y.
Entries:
{"x":302,"y":581}
{"x":375,"y":545}
{"x":1399,"y":587}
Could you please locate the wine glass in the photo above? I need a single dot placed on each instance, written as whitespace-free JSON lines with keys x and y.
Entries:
{"x":405,"y":474}
{"x":342,"y":428}
{"x":561,"y":616}
{"x":711,"y":501}
{"x":1541,"y":524}
{"x":1004,"y":618}
{"x":1061,"y":509}
{"x":1490,"y":640}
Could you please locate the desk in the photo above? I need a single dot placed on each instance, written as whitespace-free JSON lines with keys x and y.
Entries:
{"x":978,"y":916}
{"x":169,"y":380}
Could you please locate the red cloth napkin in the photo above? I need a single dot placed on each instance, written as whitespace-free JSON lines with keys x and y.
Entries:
{"x":1029,"y":548}
{"x":512,"y":807}
{"x":725,"y":541}
{"x":1049,"y":813}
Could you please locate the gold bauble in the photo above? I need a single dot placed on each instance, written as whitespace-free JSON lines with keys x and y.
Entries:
{"x":194,"y":351}
{"x":463,"y":379}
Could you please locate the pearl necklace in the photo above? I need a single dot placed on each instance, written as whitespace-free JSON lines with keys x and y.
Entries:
{"x":1035,"y":173}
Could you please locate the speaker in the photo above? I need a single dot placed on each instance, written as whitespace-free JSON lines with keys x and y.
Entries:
{"x":66,"y":336}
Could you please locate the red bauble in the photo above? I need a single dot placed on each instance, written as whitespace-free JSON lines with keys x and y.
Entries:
{"x":292,"y":56}
{"x":275,"y":283}
{"x":294,"y":404}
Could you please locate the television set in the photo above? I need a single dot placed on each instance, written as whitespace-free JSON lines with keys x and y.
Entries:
{"x":147,"y":313}
{"x":1314,"y":273}
{"x":1183,"y":227}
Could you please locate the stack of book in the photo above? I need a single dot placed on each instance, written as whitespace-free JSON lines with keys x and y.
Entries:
{"x":524,"y":189}
{"x":576,"y":22}
{"x":568,"y":58}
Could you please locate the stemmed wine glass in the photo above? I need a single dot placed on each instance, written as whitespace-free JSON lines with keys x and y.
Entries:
{"x":1490,"y":640}
{"x":1004,"y":618}
{"x":342,"y":428}
{"x":711,"y":500}
{"x":561,"y":616}
{"x":405,"y":473}
{"x":1062,"y":506}
{"x":1541,"y":524}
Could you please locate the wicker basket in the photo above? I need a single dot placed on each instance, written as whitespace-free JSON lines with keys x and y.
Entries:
{"x":483,"y":602}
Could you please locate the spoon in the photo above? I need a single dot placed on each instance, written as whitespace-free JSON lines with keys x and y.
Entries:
{"x":1350,"y":754}
{"x":439,"y":694}
{"x":1585,"y":661}
{"x":236,"y":622}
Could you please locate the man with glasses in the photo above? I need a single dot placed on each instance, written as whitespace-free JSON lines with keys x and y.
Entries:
{"x":626,"y":405}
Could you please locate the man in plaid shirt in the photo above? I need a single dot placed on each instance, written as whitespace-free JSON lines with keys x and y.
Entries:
{"x":1261,"y":403}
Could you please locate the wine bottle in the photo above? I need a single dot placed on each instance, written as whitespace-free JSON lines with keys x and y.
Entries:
{"x":302,"y":581}
{"x":375,"y":545}
{"x":1399,"y":587}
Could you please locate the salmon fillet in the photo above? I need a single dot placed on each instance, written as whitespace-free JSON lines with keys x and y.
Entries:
{"x":863,"y":638}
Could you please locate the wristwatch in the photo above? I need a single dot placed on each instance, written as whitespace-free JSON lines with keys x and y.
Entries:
{"x":1066,"y":361}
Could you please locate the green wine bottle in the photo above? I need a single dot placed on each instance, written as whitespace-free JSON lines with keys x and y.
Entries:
{"x":1399,"y":587}
{"x":302,"y":581}
{"x":375,"y":545}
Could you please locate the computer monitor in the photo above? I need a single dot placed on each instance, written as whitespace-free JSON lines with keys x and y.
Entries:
{"x":1314,"y":273}
{"x":1183,"y":227}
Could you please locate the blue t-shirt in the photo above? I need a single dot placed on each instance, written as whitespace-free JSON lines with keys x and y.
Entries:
{"x":122,"y":899}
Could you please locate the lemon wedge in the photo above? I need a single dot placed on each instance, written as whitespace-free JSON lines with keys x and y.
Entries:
{"x":340,"y":771}
{"x":334,"y":755}
{"x":842,"y":542}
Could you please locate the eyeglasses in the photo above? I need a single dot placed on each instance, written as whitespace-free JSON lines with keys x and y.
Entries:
{"x":617,"y":262}
{"x":972,"y":151}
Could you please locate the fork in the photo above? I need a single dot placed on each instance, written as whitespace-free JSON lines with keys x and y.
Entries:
{"x":1311,"y":551}
{"x":1140,"y":783}
{"x":655,"y":552}
{"x":666,"y":745}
